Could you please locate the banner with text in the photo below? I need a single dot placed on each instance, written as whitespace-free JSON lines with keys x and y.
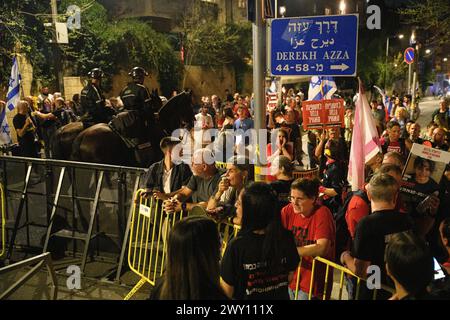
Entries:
{"x":318,"y":114}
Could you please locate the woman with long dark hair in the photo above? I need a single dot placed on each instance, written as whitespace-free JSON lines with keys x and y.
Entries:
{"x":409,"y":264}
{"x":192,"y":270}
{"x":260,"y":261}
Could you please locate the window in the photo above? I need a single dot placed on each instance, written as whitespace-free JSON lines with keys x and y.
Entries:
{"x":242,"y":4}
{"x":327,"y":11}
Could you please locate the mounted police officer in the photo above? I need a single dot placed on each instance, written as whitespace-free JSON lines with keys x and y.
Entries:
{"x":135,"y":96}
{"x":93,"y":101}
{"x":136,"y":123}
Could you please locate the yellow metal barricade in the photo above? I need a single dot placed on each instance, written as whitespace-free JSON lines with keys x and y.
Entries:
{"x":221,"y":165}
{"x":330,"y":267}
{"x":2,"y":222}
{"x":228,"y":231}
{"x":149,"y":230}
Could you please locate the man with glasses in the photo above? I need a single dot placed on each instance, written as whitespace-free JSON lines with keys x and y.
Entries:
{"x":201,"y":185}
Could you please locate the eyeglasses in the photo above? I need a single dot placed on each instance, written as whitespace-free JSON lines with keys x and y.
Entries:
{"x":295,"y":199}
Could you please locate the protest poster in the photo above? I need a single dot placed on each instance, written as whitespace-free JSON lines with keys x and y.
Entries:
{"x":312,"y":112}
{"x":421,"y":177}
{"x":320,"y":114}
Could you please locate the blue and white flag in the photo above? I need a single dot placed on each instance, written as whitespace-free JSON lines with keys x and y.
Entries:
{"x":387,"y":103}
{"x":12,"y":98}
{"x":321,"y":88}
{"x":5,"y":136}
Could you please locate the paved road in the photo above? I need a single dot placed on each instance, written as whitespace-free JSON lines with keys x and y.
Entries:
{"x":427,"y":106}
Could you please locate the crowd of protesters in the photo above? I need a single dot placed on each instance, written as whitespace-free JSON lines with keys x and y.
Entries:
{"x":286,"y":222}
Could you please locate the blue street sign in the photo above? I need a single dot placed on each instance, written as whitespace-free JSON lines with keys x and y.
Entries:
{"x":409,"y":55}
{"x":322,"y":46}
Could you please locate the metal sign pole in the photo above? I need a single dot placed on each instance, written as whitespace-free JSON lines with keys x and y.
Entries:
{"x":259,"y":60}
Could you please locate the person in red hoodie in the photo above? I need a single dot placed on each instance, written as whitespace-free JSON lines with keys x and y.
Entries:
{"x":315,"y":234}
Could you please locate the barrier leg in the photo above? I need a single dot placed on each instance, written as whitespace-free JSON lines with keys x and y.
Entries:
{"x":127,"y":231}
{"x":135,"y":289}
{"x":19,"y":214}
{"x":54,"y":206}
{"x":91,"y":223}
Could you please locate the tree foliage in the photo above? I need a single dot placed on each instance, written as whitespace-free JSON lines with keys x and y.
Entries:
{"x":210,"y":43}
{"x":433,"y":16}
{"x":111,"y":45}
{"x":22,"y":32}
{"x":119,"y":45}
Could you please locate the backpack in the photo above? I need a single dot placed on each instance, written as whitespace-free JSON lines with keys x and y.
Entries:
{"x":342,"y":233}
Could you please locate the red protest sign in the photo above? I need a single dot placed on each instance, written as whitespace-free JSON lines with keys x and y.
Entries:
{"x":323,"y":113}
{"x":272,"y":100}
{"x":312,"y":114}
{"x":334,"y":112}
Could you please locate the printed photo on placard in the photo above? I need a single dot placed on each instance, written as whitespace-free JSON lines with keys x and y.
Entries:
{"x":421,"y":177}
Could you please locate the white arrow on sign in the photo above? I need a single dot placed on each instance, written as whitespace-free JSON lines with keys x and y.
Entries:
{"x":341,"y":67}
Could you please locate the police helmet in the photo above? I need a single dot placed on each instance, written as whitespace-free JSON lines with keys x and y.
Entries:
{"x":138,"y":73}
{"x":96,"y":73}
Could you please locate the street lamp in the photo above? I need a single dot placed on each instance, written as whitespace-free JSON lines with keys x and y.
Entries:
{"x":427,"y":51}
{"x":282,"y":11}
{"x":445,"y":59}
{"x":342,"y":7}
{"x":400,"y":36}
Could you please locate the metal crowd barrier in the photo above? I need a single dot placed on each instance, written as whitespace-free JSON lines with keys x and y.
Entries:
{"x":221,"y":165}
{"x":40,"y":260}
{"x":228,"y":231}
{"x":330,"y":266}
{"x":81,"y":194}
{"x":147,"y":248}
{"x":149,"y":230}
{"x":2,"y":222}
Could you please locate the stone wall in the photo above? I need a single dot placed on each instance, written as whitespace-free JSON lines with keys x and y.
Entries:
{"x":208,"y":81}
{"x":120,"y":81}
{"x":26,"y":72}
{"x":72,"y":85}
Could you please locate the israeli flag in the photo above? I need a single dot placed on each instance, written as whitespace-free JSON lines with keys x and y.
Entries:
{"x":321,"y":88}
{"x":5,"y":136}
{"x":12,"y":98}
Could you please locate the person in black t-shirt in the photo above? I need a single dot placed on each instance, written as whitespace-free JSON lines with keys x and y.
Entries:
{"x":282,"y":169}
{"x":26,"y":131}
{"x":332,"y":133}
{"x":373,"y":231}
{"x":259,"y":262}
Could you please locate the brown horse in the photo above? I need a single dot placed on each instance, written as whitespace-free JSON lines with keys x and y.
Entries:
{"x":100,"y":144}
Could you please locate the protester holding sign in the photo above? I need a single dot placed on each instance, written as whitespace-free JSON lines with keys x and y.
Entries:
{"x":420,"y":187}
